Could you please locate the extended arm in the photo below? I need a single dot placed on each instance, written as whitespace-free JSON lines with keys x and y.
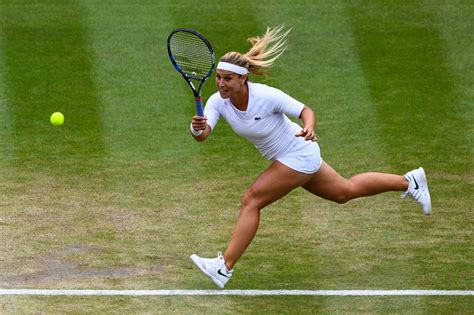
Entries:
{"x":309,"y":120}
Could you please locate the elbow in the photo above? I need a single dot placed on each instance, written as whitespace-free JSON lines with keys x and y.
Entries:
{"x":305,"y":110}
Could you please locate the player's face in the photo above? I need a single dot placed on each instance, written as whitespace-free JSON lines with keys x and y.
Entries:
{"x":229,"y":83}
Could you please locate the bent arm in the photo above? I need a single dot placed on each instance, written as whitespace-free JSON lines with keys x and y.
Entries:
{"x":309,"y":121}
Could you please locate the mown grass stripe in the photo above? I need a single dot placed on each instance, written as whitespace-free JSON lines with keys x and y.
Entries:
{"x":411,"y":82}
{"x":237,"y":292}
{"x":48,"y":68}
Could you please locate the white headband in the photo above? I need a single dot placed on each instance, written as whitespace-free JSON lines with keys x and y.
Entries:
{"x":231,"y":67}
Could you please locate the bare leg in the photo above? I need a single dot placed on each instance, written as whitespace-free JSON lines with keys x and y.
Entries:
{"x":328,"y":184}
{"x":277,"y":181}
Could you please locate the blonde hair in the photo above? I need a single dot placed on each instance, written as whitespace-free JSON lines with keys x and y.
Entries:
{"x":263,"y":53}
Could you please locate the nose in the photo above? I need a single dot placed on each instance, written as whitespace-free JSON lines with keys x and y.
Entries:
{"x":220,"y":82}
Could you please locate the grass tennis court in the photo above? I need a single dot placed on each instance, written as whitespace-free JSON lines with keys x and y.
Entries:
{"x":120,"y":195}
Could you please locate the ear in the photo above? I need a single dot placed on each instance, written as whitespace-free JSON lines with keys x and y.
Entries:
{"x":243,"y":79}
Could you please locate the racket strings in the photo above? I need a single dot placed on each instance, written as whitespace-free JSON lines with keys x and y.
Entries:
{"x":191,"y":54}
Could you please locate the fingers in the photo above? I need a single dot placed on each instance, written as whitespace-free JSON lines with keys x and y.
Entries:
{"x":308,"y":134}
{"x":199,"y":123}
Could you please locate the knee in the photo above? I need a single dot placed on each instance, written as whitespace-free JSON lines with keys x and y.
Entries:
{"x":246,"y":199}
{"x":341,"y":199}
{"x":249,"y":199}
{"x":343,"y":194}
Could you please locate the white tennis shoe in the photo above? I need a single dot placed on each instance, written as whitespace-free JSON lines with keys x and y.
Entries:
{"x":214,"y":268}
{"x":418,"y":189}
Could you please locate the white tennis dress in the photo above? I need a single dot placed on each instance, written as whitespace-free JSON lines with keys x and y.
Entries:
{"x":266,"y":125}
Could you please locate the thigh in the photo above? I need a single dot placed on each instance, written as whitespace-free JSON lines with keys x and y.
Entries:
{"x":327,"y":183}
{"x":274,"y":183}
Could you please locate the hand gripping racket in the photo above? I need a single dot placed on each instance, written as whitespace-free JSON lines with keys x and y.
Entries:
{"x":192,"y":56}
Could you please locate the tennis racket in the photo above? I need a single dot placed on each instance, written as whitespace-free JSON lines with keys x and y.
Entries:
{"x":192,"y":56}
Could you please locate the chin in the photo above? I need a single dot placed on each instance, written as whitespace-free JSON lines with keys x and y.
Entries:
{"x":224,"y":94}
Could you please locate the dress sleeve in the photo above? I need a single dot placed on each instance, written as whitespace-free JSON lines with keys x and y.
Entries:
{"x":287,"y":104}
{"x":211,"y":111}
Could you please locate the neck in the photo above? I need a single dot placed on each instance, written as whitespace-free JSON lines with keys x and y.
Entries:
{"x":241,"y":99}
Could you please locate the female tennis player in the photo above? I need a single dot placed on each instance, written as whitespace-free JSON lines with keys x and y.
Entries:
{"x":259,"y":113}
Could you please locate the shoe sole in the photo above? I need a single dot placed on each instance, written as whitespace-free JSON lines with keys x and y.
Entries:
{"x":195,"y":260}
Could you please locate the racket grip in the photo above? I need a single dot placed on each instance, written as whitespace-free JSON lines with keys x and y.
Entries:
{"x":199,"y":108}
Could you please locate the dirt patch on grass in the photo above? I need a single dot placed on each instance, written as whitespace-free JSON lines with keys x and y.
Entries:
{"x":55,"y":266}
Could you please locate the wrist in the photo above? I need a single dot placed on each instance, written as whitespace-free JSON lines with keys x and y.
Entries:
{"x":194,"y":132}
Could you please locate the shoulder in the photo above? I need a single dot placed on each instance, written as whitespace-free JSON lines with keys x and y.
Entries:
{"x":263,"y":90}
{"x":268,"y":94}
{"x":215,"y":100}
{"x":216,"y":97}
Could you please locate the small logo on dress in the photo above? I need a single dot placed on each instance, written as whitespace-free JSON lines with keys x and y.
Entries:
{"x":258,"y":118}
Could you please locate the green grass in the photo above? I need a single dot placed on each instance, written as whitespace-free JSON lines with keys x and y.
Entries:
{"x":120,"y":196}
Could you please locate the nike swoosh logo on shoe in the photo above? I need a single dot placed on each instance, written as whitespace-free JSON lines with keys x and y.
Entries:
{"x":222,"y":274}
{"x":416,"y":184}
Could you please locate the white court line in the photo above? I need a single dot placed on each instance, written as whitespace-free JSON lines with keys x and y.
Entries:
{"x":237,"y":292}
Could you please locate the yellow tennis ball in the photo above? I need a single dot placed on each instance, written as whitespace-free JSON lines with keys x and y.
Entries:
{"x":57,"y":119}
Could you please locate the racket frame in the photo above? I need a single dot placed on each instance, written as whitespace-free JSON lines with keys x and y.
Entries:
{"x":197,"y":92}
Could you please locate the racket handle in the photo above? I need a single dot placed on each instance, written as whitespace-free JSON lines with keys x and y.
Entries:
{"x":199,"y":108}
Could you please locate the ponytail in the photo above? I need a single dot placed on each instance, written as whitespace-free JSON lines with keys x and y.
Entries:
{"x":263,"y":53}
